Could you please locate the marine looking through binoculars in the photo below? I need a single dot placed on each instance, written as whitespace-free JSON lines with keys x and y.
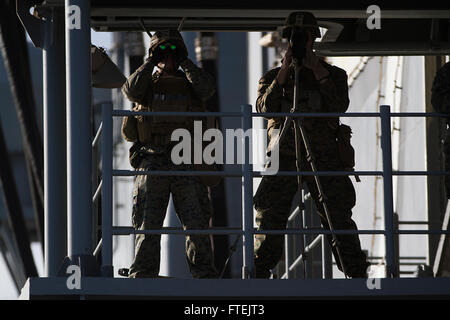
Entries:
{"x":164,"y":49}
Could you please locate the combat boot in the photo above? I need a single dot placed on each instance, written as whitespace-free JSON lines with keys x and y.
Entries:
{"x":358,"y":271}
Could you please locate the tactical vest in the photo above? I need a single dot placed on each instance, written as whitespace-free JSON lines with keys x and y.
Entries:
{"x":169,"y":94}
{"x":318,"y":130}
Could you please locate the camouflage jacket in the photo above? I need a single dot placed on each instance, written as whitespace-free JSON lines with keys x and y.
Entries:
{"x":330,"y":96}
{"x":440,"y":92}
{"x":138,"y":89}
{"x":138,"y":86}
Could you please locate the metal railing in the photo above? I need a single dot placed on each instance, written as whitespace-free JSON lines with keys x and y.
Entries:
{"x":247,"y":229}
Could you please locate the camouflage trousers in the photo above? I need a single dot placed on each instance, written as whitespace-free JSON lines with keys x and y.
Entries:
{"x":192,"y":205}
{"x":273,"y":202}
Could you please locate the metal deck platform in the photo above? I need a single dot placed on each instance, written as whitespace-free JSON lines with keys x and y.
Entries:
{"x":118,"y":288}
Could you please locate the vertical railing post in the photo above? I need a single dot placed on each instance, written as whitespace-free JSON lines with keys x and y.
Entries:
{"x":95,"y":182}
{"x":107,"y":190}
{"x":397,"y":244}
{"x":327,"y":259}
{"x":307,"y":257}
{"x":327,"y":255}
{"x":247,"y":194}
{"x":287,"y":261}
{"x":385,"y":115}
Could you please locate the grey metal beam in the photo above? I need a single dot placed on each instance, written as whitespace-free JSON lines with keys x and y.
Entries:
{"x":378,"y":48}
{"x":215,"y":24}
{"x":79,"y":143}
{"x":149,"y":11}
{"x":55,"y":218}
{"x":395,"y":22}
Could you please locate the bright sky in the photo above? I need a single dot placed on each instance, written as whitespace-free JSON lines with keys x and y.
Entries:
{"x":101,"y":39}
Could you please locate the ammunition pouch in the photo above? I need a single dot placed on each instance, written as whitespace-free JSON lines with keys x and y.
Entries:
{"x":346,"y":151}
{"x":143,"y":126}
{"x":129,"y":128}
{"x":135,"y":155}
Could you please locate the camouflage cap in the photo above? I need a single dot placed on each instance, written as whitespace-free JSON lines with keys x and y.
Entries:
{"x":300,"y":19}
{"x":174,"y":36}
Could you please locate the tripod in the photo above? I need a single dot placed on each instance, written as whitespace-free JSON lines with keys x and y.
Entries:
{"x":301,"y":137}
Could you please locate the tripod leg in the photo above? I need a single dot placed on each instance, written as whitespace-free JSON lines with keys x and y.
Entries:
{"x":322,"y":196}
{"x":301,"y":205}
{"x":232,"y":250}
{"x":284,"y":129}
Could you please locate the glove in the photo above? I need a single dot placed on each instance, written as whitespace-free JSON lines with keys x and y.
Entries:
{"x":154,"y":56}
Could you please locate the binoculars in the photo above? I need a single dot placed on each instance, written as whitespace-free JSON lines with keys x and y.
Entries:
{"x":164,"y":49}
{"x":298,"y":37}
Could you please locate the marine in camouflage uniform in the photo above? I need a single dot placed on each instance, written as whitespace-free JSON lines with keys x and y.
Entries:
{"x":177,"y":91}
{"x":273,"y":199}
{"x":440,"y":99}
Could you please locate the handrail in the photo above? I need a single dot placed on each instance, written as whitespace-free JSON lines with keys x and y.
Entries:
{"x":247,"y":174}
{"x":279,"y":173}
{"x":124,"y":113}
{"x":97,"y":248}
{"x":127,"y":230}
{"x":122,"y":230}
{"x":97,"y":135}
{"x":97,"y":192}
{"x":301,"y":257}
{"x":118,"y":113}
